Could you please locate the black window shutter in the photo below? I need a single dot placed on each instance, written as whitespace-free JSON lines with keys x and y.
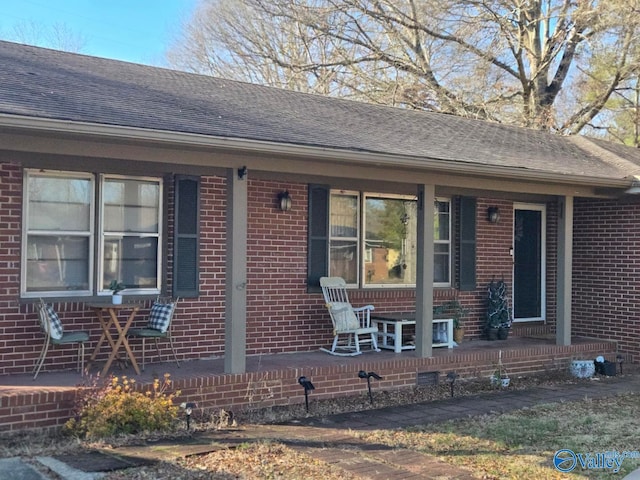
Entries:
{"x":318,"y":254}
{"x":186,"y":237}
{"x":467,"y":264}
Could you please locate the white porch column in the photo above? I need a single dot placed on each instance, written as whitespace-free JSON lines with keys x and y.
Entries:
{"x":565,"y":270}
{"x":235,"y":325}
{"x":424,"y":272}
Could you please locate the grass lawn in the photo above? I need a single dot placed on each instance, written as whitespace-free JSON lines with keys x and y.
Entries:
{"x":521,"y":445}
{"x":518,"y":445}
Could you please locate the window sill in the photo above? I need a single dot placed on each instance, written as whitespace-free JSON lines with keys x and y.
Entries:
{"x":84,"y":298}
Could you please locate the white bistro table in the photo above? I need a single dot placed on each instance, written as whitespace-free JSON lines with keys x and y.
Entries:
{"x":390,"y":326}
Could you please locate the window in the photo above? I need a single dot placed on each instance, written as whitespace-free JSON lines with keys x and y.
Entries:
{"x":373,"y":239}
{"x":390,"y":237}
{"x":130,"y":236}
{"x":442,"y":243}
{"x":57,"y":249}
{"x":343,"y":230}
{"x":62,"y":217}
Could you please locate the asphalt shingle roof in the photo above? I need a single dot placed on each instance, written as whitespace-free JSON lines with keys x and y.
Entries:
{"x":37,"y":82}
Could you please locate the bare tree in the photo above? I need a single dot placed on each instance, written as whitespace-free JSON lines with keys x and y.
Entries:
{"x":238,"y":40}
{"x":58,"y":36}
{"x":621,"y":119}
{"x":526,"y":62}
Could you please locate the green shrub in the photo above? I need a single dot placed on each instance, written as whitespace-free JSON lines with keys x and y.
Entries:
{"x":118,"y":408}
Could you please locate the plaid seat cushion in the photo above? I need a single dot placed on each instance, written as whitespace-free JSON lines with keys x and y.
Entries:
{"x":55,"y":325}
{"x":160,"y":316}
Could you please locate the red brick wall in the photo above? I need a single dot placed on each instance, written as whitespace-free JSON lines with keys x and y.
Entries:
{"x":199,"y":323}
{"x":281,"y":315}
{"x":606,"y":272}
{"x":23,"y":409}
{"x":47,"y":408}
{"x":268,"y":388}
{"x":18,"y":338}
{"x":494,"y":261}
{"x":494,"y":241}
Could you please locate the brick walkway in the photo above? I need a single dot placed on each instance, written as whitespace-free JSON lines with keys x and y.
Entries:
{"x":333,"y":439}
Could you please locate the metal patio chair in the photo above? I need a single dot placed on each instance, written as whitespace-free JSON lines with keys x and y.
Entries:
{"x":349,"y":323}
{"x":159,"y":326}
{"x":54,"y":332}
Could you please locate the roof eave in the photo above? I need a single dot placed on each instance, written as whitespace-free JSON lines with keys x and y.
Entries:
{"x":33,"y":124}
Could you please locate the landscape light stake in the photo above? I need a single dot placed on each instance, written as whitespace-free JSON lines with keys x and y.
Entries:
{"x":620,"y":360}
{"x":451,"y":377}
{"x":188,"y":409}
{"x":363,"y":374}
{"x":308,"y":386}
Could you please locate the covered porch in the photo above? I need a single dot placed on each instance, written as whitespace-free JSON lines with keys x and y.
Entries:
{"x":251,"y":317}
{"x":272,"y":380}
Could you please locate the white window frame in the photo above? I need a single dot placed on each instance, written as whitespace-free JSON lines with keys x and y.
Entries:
{"x":349,"y":193}
{"x":362,"y":239}
{"x":361,"y":250}
{"x":95,"y":233}
{"x":542,"y":208}
{"x":446,"y":242}
{"x":28,"y":173}
{"x":102,"y":234}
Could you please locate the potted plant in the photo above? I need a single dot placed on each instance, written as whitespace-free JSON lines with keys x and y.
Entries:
{"x":498,"y":319}
{"x":116,"y":287}
{"x":455,"y":310}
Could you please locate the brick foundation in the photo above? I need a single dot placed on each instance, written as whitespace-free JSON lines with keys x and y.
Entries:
{"x":32,"y":408}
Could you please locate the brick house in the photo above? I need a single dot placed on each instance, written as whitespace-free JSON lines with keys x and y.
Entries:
{"x":170,"y":182}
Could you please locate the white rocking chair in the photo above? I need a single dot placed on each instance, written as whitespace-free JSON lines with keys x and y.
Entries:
{"x":348,"y":323}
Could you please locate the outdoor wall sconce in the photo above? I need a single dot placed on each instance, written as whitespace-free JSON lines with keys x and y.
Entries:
{"x":284,"y":201}
{"x":242,"y":172}
{"x":363,"y":374}
{"x":634,"y":189}
{"x":493,"y":214}
{"x":308,"y":386}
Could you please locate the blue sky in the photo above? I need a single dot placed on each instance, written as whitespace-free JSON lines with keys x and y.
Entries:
{"x":133,"y":30}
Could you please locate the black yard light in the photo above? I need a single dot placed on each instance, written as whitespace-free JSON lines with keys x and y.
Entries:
{"x":451,"y":378}
{"x":188,"y":410}
{"x":620,"y":360}
{"x":368,"y":376}
{"x":308,"y":386}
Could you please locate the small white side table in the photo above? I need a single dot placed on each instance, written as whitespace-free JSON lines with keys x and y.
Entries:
{"x":390,"y":327}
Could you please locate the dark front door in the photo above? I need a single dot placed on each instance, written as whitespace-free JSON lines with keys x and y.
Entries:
{"x":528,"y":267}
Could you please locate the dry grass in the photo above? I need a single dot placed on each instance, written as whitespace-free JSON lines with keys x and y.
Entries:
{"x":521,"y":444}
{"x":262,"y":460}
{"x":515,"y":445}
